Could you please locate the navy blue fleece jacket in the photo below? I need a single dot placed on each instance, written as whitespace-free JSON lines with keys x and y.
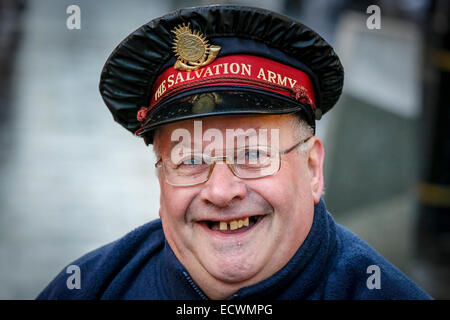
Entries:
{"x":331,"y":263}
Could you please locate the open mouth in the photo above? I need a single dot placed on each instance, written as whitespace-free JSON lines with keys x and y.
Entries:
{"x":233,"y":226}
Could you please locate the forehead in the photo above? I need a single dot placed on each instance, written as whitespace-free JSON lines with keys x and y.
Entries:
{"x":283,"y":124}
{"x":222,"y":123}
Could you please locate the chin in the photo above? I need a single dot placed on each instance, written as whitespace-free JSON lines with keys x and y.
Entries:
{"x":234,"y":269}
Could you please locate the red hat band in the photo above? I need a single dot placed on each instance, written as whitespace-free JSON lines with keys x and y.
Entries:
{"x":242,"y":70}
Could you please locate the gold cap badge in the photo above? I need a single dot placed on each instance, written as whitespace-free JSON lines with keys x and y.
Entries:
{"x":192,"y":49}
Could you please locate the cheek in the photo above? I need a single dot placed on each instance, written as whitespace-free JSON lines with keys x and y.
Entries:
{"x":174,"y":202}
{"x":287,"y":190}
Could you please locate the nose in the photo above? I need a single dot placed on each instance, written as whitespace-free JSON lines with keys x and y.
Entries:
{"x":223,"y":187}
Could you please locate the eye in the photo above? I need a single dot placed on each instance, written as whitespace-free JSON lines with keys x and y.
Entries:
{"x":253,"y":154}
{"x":257,"y":154}
{"x":192,"y":161}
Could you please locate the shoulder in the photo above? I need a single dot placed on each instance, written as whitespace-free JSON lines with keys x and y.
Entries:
{"x":360,"y":272}
{"x":98,"y":268}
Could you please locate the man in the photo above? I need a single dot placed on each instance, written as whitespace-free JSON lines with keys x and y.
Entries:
{"x":228,"y":96}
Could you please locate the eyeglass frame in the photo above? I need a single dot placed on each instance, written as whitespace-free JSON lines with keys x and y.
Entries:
{"x":159,"y":164}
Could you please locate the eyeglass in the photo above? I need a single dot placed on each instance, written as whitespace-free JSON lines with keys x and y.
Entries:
{"x":251,"y":162}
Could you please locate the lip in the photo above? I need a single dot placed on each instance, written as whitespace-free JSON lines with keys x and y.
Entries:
{"x":229,"y":218}
{"x":233,"y":235}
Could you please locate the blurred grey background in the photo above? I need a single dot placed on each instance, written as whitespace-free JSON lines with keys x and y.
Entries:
{"x":72,"y":180}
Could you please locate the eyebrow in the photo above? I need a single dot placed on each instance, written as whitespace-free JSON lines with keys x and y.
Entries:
{"x":181,"y":140}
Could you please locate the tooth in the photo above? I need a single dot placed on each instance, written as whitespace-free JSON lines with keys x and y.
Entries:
{"x":223,"y":225}
{"x":246,"y":222}
{"x":240,"y":223}
{"x":233,"y":225}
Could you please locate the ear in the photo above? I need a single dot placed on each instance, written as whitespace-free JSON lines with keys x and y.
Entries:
{"x":316,"y":157}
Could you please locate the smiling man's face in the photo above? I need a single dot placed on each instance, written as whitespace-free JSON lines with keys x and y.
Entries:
{"x":280,"y":209}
